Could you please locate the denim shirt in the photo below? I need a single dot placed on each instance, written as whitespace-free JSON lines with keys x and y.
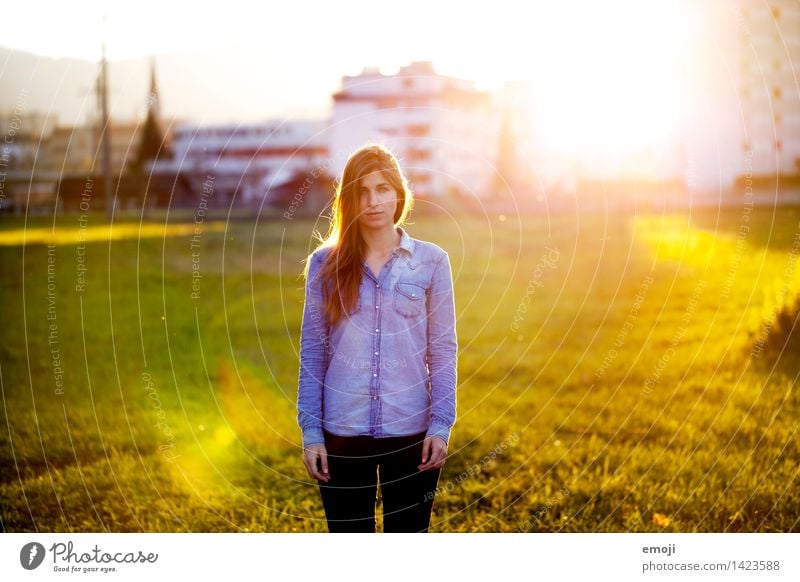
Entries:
{"x":389,"y":369}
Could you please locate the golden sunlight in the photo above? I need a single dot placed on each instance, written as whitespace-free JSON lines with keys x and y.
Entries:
{"x":123,"y":230}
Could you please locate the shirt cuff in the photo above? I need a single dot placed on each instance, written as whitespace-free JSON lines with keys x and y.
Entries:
{"x":313,"y":436}
{"x":440,"y":430}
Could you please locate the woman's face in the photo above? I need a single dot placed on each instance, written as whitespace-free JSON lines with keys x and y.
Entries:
{"x":377,"y":201}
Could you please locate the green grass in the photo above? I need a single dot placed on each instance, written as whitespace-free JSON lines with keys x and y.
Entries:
{"x":685,"y":427}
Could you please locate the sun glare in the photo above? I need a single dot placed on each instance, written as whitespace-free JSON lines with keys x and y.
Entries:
{"x":612,"y":80}
{"x":607,"y":80}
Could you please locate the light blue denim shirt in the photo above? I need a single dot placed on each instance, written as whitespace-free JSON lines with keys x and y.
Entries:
{"x":390,"y":369}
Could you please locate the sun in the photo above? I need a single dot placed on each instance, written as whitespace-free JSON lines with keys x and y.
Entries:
{"x":606,"y":78}
{"x":613,"y":82}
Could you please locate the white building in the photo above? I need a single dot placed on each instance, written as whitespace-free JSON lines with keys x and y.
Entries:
{"x":443,"y":130}
{"x":770,"y":98}
{"x":248,"y":159}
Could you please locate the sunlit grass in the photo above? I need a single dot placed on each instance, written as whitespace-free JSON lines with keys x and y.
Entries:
{"x":212,"y":445}
{"x":64,"y":235}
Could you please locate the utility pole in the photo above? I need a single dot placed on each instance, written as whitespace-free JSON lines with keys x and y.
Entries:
{"x":105,"y":130}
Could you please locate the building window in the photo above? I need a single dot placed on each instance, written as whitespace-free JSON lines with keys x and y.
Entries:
{"x":420,"y":178}
{"x":415,"y":154}
{"x":418,"y":130}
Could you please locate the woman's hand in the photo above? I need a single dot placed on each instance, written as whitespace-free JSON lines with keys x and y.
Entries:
{"x":434,"y":453}
{"x":310,"y":457}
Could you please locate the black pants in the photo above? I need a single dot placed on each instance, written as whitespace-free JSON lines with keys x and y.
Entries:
{"x":356,"y":463}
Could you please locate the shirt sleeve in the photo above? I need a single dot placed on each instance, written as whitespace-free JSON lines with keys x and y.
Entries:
{"x":442,"y":351}
{"x":314,"y":339}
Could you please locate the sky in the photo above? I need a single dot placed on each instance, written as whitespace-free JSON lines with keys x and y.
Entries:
{"x":475,"y":40}
{"x":623,"y":68}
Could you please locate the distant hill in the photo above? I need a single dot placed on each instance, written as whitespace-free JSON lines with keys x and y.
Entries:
{"x":66,"y":87}
{"x":213,"y":86}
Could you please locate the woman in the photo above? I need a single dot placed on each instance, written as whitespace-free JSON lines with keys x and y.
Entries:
{"x":378,"y":348}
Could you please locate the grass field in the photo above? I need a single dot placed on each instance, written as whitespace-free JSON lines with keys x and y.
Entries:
{"x":616,"y":373}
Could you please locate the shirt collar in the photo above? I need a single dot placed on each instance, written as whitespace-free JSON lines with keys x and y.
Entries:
{"x":406,"y":242}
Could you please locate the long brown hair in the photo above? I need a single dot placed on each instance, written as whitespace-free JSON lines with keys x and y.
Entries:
{"x":341,"y":271}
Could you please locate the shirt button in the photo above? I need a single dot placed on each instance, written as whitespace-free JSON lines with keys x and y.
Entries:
{"x":376,"y":307}
{"x":375,"y":397}
{"x":377,"y":329}
{"x":375,"y":375}
{"x":376,"y":353}
{"x":377,"y":285}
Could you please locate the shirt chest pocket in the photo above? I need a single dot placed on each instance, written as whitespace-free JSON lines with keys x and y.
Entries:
{"x":409,"y":299}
